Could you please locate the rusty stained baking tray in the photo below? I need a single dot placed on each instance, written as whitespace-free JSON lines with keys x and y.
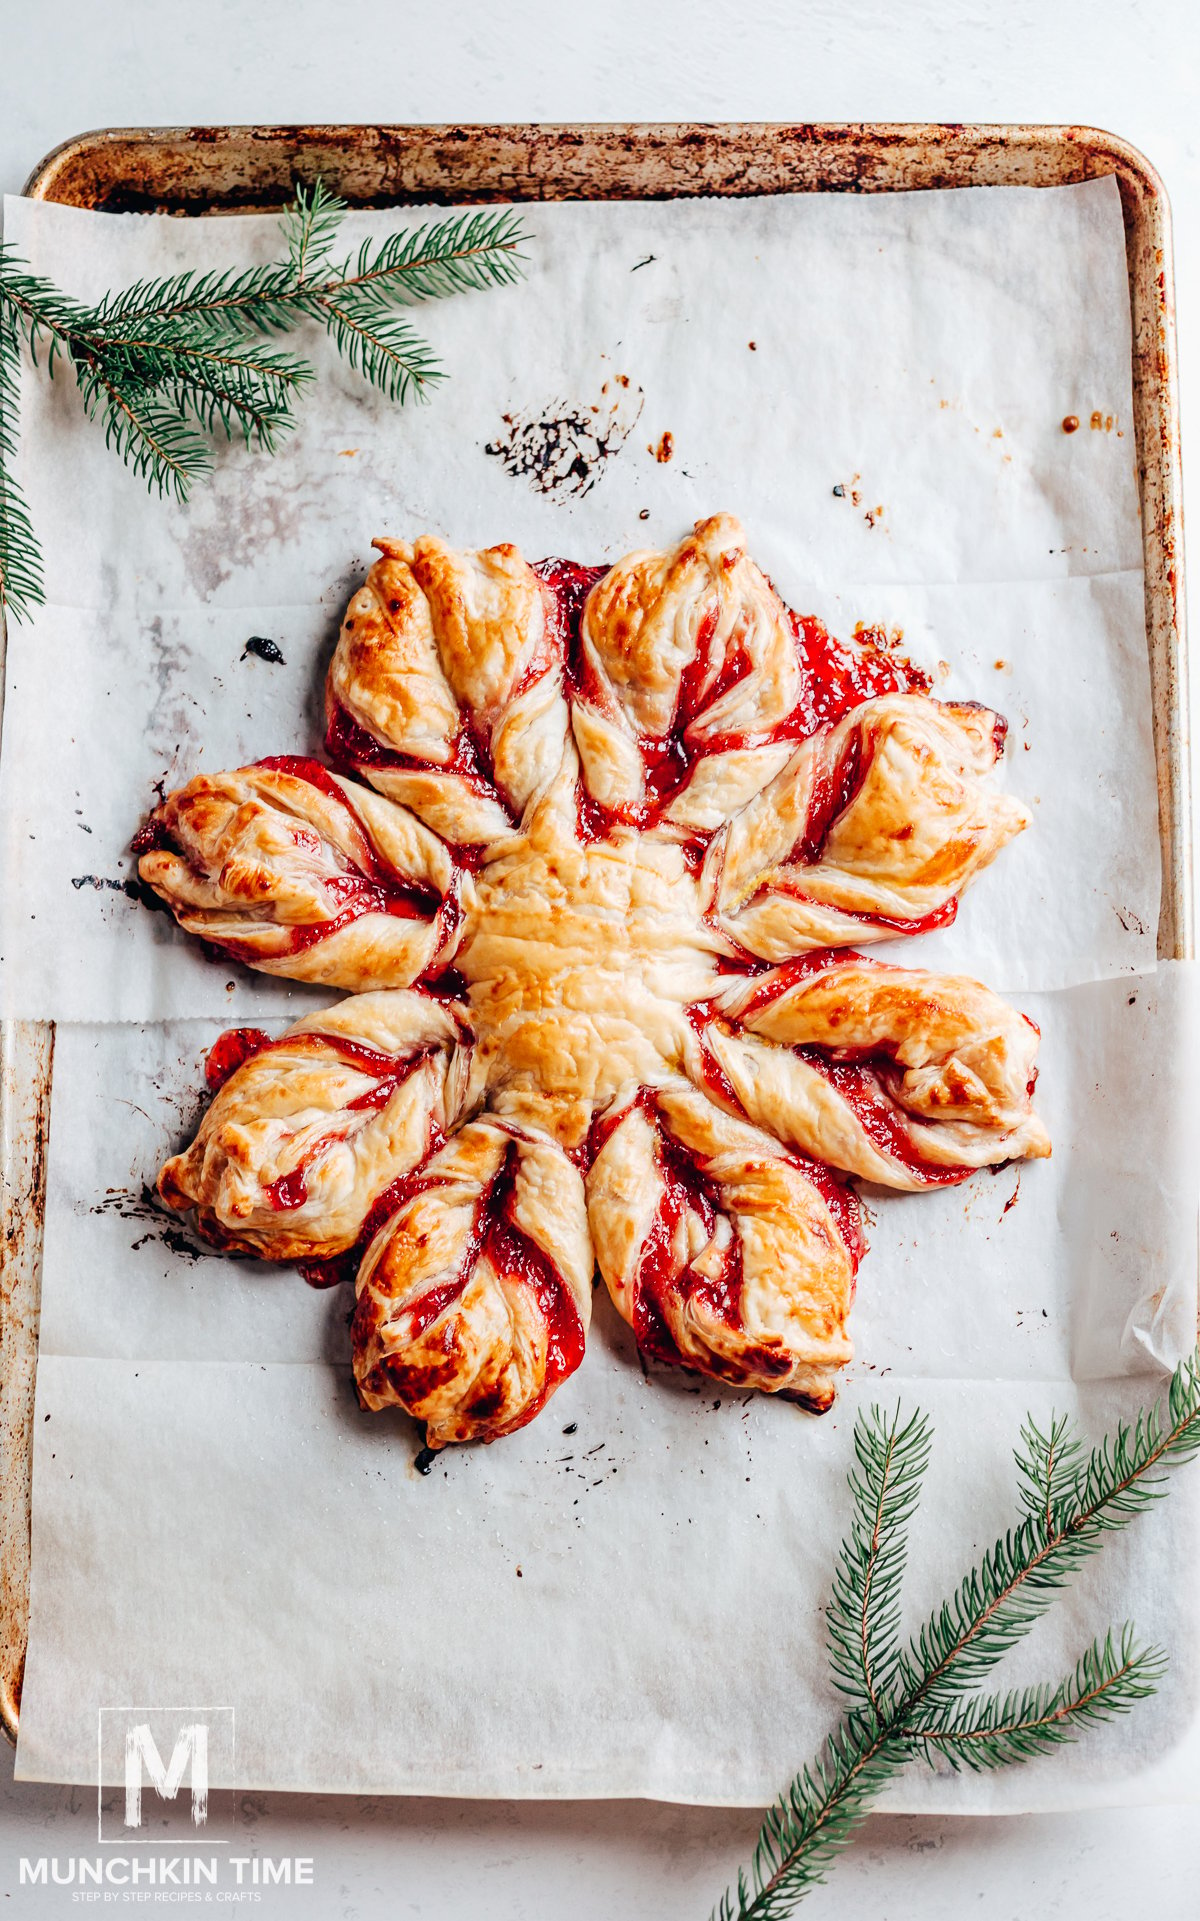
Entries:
{"x":211,"y":170}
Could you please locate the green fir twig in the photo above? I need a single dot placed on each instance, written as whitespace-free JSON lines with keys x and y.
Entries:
{"x":922,"y":1699}
{"x":167,"y":365}
{"x":20,"y":558}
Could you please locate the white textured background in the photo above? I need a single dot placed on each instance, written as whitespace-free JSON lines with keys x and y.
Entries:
{"x":1130,"y":65}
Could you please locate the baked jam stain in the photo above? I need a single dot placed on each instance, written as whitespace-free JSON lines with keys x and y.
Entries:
{"x":564,"y":448}
{"x":142,"y":1205}
{"x":230,"y":1051}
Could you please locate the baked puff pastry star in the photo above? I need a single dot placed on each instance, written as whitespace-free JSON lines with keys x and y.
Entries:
{"x":296,"y":871}
{"x":609,"y":836}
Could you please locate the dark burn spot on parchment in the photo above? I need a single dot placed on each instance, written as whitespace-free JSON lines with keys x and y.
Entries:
{"x":133,"y":889}
{"x":263,"y":649}
{"x":564,"y":447}
{"x":142,"y":1205}
{"x":1131,"y":922}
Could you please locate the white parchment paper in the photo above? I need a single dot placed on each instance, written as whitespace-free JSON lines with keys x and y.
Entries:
{"x":634,"y":1607}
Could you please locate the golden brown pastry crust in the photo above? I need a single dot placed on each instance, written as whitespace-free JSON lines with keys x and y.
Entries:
{"x":580,"y":959}
{"x":449,"y":670}
{"x":902,"y":1077}
{"x":874,"y":827}
{"x":616,"y":815}
{"x":696,"y":642}
{"x":297,"y":871}
{"x":306,"y":1136}
{"x":473,"y":1301}
{"x":720,"y":1250}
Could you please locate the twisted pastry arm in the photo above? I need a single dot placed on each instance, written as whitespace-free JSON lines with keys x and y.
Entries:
{"x":722,"y":1252}
{"x":309,"y":1134}
{"x":474,"y":1299}
{"x":295,"y":871}
{"x":688,"y":663}
{"x":875,"y":827}
{"x":906,"y":1078}
{"x":445,"y":689}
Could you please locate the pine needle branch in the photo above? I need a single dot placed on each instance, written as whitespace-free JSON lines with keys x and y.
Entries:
{"x":36,"y":307}
{"x":381,"y":347}
{"x":462,"y":253}
{"x":310,"y":227}
{"x":20,"y":557}
{"x":1018,"y":1579}
{"x":169,"y":363}
{"x":246,"y":393}
{"x":812,"y":1821}
{"x":230,"y":305}
{"x":864,"y":1613}
{"x":153,"y":438}
{"x":996,"y":1730}
{"x":924,"y":1701}
{"x":1047,"y":1469}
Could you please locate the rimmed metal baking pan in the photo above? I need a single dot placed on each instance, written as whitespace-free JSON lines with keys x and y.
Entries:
{"x":194,"y":171}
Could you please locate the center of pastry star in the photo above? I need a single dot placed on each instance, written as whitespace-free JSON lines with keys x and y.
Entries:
{"x":592,"y":859}
{"x":580,"y":959}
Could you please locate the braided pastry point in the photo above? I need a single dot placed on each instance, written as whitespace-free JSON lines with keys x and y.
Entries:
{"x":312,"y":1132}
{"x":445,"y":690}
{"x":874,"y":828}
{"x":688,"y":663}
{"x":296,"y":871}
{"x":905,"y":1078}
{"x":474,"y":1300}
{"x":723,"y":1252}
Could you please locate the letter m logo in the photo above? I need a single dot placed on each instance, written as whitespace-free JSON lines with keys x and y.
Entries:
{"x":147,"y":1760}
{"x":141,"y":1752}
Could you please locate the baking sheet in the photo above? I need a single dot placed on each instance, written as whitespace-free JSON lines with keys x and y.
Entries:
{"x":210,"y":1392}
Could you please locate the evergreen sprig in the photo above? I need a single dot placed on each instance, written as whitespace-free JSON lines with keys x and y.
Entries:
{"x":167,"y":365}
{"x":923,"y":1699}
{"x":20,"y":559}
